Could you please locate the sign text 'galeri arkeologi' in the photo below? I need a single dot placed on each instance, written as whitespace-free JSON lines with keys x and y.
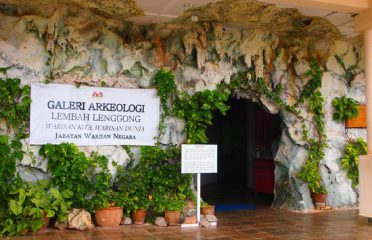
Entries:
{"x":90,"y":116}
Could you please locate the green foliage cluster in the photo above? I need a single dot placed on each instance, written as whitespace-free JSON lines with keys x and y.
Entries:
{"x":166,"y":86}
{"x":14,"y":104}
{"x":166,"y":91}
{"x":84,"y":176}
{"x":23,"y":205}
{"x":133,"y":186}
{"x":315,"y":82}
{"x":197,"y":110}
{"x":316,"y":102}
{"x":103,"y":196}
{"x":350,"y":159}
{"x":29,"y":204}
{"x":155,"y":183}
{"x":169,"y":188}
{"x":310,"y":171}
{"x":10,"y":152}
{"x":345,"y":108}
{"x":70,"y":170}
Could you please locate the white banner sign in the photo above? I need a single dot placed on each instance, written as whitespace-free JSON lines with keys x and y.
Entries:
{"x":91,"y":116}
{"x":198,"y":158}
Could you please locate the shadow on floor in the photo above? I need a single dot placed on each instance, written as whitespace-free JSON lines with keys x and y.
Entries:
{"x":222,"y":194}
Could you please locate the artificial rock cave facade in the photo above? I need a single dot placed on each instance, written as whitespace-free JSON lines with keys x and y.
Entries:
{"x":89,"y":42}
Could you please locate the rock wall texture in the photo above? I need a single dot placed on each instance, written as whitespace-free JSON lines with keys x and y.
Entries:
{"x":69,"y":45}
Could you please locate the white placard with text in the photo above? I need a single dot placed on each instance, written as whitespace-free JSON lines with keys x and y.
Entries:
{"x":199,"y":158}
{"x":92,"y":116}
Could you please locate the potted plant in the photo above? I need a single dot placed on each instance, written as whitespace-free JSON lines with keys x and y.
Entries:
{"x":132,"y":187}
{"x":207,"y":209}
{"x":107,"y":213}
{"x":107,"y":210}
{"x":31,"y":205}
{"x":132,"y":183}
{"x":139,"y":216}
{"x":138,"y":203}
{"x":350,"y":111}
{"x":173,"y":207}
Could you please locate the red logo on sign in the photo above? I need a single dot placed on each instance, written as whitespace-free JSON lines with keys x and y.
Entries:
{"x":97,"y":95}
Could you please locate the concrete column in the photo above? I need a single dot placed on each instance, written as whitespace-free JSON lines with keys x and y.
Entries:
{"x":365,"y":162}
{"x":368,"y":79}
{"x":365,"y":183}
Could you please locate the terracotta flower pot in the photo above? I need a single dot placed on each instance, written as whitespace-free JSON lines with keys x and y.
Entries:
{"x":319,"y":200}
{"x":139,"y":216}
{"x":172,"y":217}
{"x":45,"y":220}
{"x":360,"y":121}
{"x":319,"y":197}
{"x":207,"y":210}
{"x":109,"y":217}
{"x":43,"y":227}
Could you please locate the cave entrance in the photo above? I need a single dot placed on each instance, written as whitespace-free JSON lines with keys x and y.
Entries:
{"x":248,"y":139}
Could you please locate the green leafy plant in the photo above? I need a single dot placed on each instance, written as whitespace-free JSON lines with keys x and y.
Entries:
{"x":315,"y":82}
{"x":70,"y":170}
{"x":133,"y":187}
{"x":165,"y":84}
{"x":172,"y":203}
{"x":29,"y":204}
{"x":103,"y":195}
{"x":15,"y":105}
{"x":169,"y":188}
{"x":154,"y":181}
{"x":345,"y":108}
{"x":197,"y":111}
{"x":350,"y":159}
{"x":310,"y":171}
{"x":11,"y":152}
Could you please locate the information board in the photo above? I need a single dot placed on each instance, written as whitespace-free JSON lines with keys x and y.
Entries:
{"x":92,"y":116}
{"x":199,"y":158}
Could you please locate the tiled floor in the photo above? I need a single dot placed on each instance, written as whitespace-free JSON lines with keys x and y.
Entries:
{"x":256,"y":224}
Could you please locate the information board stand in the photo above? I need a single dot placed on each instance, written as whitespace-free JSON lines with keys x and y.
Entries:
{"x":198,"y":158}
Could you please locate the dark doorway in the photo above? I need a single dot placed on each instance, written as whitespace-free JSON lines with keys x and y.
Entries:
{"x":246,"y":137}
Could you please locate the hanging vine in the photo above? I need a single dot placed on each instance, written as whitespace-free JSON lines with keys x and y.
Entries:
{"x":15,"y":105}
{"x":198,"y":109}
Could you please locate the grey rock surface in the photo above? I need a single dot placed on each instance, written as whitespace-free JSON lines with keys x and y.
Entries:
{"x":160,"y":222}
{"x":80,"y":219}
{"x":126,"y":221}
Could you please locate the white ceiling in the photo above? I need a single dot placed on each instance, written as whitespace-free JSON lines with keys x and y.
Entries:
{"x":160,"y":11}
